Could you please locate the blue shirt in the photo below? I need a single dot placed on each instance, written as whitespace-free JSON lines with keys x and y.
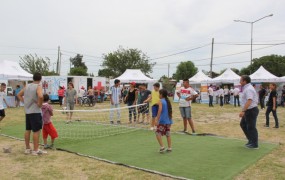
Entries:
{"x":249,"y":93}
{"x":17,"y":90}
{"x":164,"y":117}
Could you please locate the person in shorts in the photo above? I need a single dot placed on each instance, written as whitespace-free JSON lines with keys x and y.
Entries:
{"x":144,"y":108}
{"x":32,"y":97}
{"x":186,"y":94}
{"x":70,"y":100}
{"x":48,"y":128}
{"x":2,"y":101}
{"x":164,"y":120}
{"x":154,"y":99}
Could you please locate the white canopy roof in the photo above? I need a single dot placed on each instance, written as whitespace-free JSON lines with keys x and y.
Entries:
{"x":227,"y":77}
{"x":135,"y":75}
{"x":12,"y":70}
{"x":199,"y":77}
{"x":262,"y":75}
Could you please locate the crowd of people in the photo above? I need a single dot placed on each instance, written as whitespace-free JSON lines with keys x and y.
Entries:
{"x":140,"y":102}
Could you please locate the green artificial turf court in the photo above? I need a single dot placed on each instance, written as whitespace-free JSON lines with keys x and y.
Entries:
{"x":193,"y":157}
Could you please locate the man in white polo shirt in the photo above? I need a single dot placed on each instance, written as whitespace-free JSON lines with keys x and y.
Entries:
{"x":249,"y":113}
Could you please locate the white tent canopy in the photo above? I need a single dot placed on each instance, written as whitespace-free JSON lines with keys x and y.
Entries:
{"x":199,"y":77}
{"x":11,"y":70}
{"x":135,"y":75}
{"x":262,"y":75}
{"x":227,"y":77}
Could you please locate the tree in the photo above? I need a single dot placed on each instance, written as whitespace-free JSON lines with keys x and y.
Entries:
{"x":117,"y":62}
{"x":185,"y":70}
{"x":167,"y":84}
{"x":79,"y":68}
{"x":33,"y":64}
{"x":275,"y":64}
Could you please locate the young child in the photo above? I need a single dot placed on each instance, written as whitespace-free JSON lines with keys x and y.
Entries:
{"x":48,"y":128}
{"x":163,"y":120}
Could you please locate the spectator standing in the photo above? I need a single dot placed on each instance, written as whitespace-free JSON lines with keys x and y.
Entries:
{"x":60,"y":93}
{"x":236,"y":96}
{"x":131,"y":100}
{"x":115,"y":98}
{"x":272,"y":105}
{"x":211,"y":95}
{"x":262,"y":94}
{"x":17,"y":90}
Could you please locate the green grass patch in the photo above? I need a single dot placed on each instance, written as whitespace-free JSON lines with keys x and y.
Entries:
{"x":195,"y":157}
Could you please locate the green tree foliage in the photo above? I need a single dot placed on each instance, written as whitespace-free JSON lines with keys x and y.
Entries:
{"x":167,"y":84}
{"x":185,"y":70}
{"x":79,"y":68}
{"x":117,"y":62}
{"x":275,"y":64}
{"x":35,"y":63}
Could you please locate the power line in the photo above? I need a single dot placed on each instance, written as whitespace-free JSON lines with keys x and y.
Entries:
{"x":71,"y":52}
{"x":22,"y":47}
{"x":222,"y":56}
{"x":152,"y":59}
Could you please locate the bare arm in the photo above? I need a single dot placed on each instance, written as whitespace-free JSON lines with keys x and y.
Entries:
{"x":20,"y":95}
{"x":274,"y":104}
{"x":6,"y":103}
{"x":158,"y":112}
{"x":40,"y":96}
{"x":148,"y":99}
{"x":136,"y":97}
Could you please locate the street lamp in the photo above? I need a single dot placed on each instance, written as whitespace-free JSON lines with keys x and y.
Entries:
{"x":252,"y":31}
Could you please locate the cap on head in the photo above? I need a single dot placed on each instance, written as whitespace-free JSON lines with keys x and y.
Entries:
{"x":133,"y":83}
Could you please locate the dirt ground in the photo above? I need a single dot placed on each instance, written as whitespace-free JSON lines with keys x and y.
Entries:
{"x":61,"y":165}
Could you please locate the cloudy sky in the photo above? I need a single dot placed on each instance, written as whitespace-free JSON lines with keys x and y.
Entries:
{"x":157,"y":27}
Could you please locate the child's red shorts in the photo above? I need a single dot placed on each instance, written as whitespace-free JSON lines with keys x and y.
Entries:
{"x":49,"y":129}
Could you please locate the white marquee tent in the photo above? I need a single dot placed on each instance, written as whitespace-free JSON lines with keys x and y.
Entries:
{"x":11,"y":70}
{"x":199,"y":78}
{"x":227,"y":77}
{"x":135,"y":75}
{"x":262,"y":75}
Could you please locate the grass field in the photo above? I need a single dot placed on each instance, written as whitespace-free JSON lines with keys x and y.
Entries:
{"x":190,"y":158}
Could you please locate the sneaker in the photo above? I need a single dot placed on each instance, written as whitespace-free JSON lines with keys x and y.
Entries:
{"x":276,"y":127}
{"x":38,"y":152}
{"x":169,"y":150}
{"x":111,"y":122}
{"x":248,"y":143}
{"x":251,"y":146}
{"x":161,"y":150}
{"x":46,"y":146}
{"x":118,"y":122}
{"x":151,"y":128}
{"x":28,"y":151}
{"x":265,"y":125}
{"x":67,"y":122}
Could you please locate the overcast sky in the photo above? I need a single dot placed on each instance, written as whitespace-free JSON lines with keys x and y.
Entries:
{"x":157,"y":27}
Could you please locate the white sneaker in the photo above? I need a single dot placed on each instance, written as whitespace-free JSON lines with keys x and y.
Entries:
{"x":28,"y":151}
{"x":38,"y":152}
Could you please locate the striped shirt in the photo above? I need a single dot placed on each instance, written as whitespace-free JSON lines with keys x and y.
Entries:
{"x":115,"y":94}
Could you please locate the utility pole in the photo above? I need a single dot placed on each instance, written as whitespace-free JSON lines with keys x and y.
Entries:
{"x":58,"y":61}
{"x":211,"y":64}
